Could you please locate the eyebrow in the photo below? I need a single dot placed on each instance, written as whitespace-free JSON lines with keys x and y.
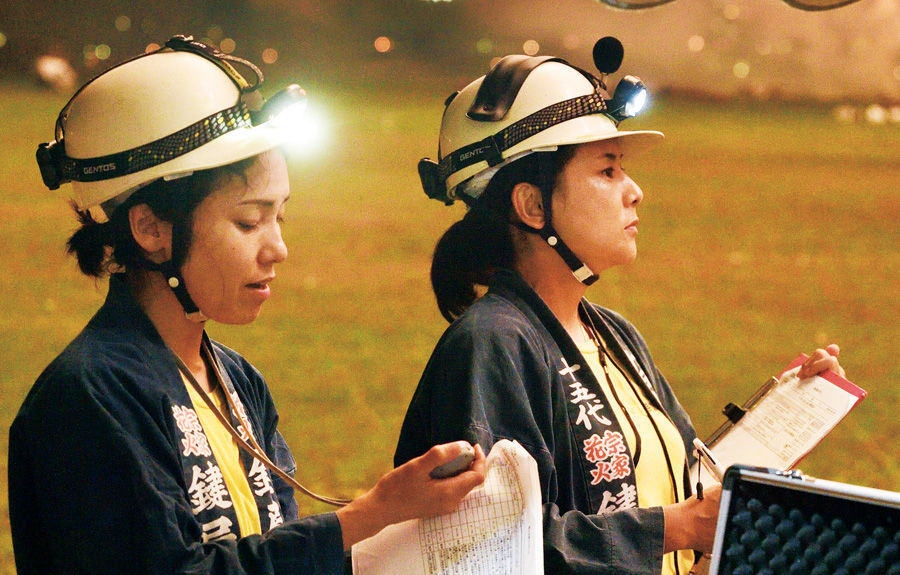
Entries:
{"x":261,"y":202}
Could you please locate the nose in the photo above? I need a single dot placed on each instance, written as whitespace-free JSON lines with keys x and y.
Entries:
{"x":274,"y":250}
{"x":633,"y":194}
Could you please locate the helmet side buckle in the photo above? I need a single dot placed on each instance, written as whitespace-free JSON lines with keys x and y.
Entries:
{"x":434,"y":186}
{"x":49,"y":158}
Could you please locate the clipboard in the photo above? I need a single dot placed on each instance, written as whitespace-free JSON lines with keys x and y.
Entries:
{"x":782,"y":421}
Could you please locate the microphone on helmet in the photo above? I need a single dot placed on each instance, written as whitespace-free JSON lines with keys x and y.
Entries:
{"x":608,"y":54}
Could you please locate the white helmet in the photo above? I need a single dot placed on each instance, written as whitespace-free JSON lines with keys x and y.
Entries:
{"x":159,"y":115}
{"x":523,"y":105}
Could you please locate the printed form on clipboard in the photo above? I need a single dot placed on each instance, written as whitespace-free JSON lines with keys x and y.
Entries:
{"x":783,"y":421}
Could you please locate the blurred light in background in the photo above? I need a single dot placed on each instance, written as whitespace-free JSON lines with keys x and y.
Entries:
{"x":696,"y":43}
{"x":741,"y":69}
{"x":215,"y":33}
{"x":383,"y":45}
{"x":755,"y":48}
{"x":123,"y":23}
{"x":873,"y":114}
{"x":227,"y":45}
{"x":484,"y":46}
{"x":89,"y":55}
{"x":876,"y":114}
{"x":103,"y":52}
{"x":844,"y":114}
{"x":270,"y":55}
{"x":731,"y":11}
{"x":56,"y":72}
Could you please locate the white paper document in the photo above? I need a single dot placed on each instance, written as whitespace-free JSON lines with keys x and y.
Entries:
{"x":786,"y":422}
{"x":497,"y":529}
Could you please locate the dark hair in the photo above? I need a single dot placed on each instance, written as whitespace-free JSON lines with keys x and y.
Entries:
{"x":471,"y":250}
{"x":102,"y":248}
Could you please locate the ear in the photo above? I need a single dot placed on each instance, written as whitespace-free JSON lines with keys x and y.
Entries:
{"x":151,"y":233}
{"x":528,"y":204}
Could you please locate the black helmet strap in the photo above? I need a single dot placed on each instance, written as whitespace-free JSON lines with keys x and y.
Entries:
{"x":176,"y":283}
{"x":579,"y":269}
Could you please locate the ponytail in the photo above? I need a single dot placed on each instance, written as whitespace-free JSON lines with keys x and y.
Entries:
{"x":88,"y":245}
{"x":466,"y":256}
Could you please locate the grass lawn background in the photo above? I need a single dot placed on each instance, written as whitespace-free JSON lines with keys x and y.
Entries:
{"x":766,"y":230}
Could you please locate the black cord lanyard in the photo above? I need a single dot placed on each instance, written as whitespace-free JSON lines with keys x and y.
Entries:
{"x":255,"y":450}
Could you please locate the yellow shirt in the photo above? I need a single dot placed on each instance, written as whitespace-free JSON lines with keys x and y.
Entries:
{"x":226,"y":451}
{"x":654,"y":483}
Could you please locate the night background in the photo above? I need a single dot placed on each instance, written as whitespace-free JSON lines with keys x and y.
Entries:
{"x":763,"y":48}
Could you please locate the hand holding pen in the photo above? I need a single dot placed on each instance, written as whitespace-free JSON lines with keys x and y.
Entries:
{"x":708,"y":460}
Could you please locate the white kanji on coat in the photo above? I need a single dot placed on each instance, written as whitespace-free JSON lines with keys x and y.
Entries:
{"x":262,"y":481}
{"x":194,"y":442}
{"x":219,"y":528}
{"x":207,"y":489}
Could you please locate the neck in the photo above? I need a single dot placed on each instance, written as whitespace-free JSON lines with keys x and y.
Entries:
{"x":550,"y":277}
{"x":183,"y":336}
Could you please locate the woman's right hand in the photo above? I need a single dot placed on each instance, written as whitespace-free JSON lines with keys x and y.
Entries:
{"x":409,"y":492}
{"x":691,"y":524}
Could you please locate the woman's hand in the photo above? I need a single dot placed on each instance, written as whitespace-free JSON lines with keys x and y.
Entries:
{"x":820,"y":360}
{"x":408,"y":492}
{"x":691,"y":524}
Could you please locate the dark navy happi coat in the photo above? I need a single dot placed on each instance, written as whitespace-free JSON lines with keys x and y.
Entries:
{"x":110,"y":472}
{"x":507,"y":369}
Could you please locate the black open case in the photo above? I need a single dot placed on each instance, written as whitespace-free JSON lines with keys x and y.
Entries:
{"x":784,"y":523}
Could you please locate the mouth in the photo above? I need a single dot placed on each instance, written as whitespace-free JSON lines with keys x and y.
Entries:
{"x":261,"y":285}
{"x":633,"y":226}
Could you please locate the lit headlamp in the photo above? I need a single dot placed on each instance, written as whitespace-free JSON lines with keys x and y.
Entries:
{"x":628,"y":100}
{"x":251,"y":110}
{"x":283,"y":109}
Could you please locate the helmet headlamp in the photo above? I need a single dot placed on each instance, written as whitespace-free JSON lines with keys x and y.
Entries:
{"x":284,"y":108}
{"x":629,"y":99}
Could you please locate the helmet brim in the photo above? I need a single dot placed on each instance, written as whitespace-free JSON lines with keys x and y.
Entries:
{"x":633,"y":142}
{"x":594,"y":128}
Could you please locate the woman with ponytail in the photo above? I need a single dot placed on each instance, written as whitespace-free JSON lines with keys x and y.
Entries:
{"x":533,"y":148}
{"x":146,"y":447}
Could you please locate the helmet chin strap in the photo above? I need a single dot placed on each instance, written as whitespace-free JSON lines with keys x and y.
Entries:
{"x":176,"y":283}
{"x":580,"y":270}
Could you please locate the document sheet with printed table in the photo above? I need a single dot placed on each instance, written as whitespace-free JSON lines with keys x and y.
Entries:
{"x":784,"y":420}
{"x":496,"y":530}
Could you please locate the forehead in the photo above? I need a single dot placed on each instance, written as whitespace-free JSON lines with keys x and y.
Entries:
{"x":264,"y":179}
{"x":601,"y":149}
